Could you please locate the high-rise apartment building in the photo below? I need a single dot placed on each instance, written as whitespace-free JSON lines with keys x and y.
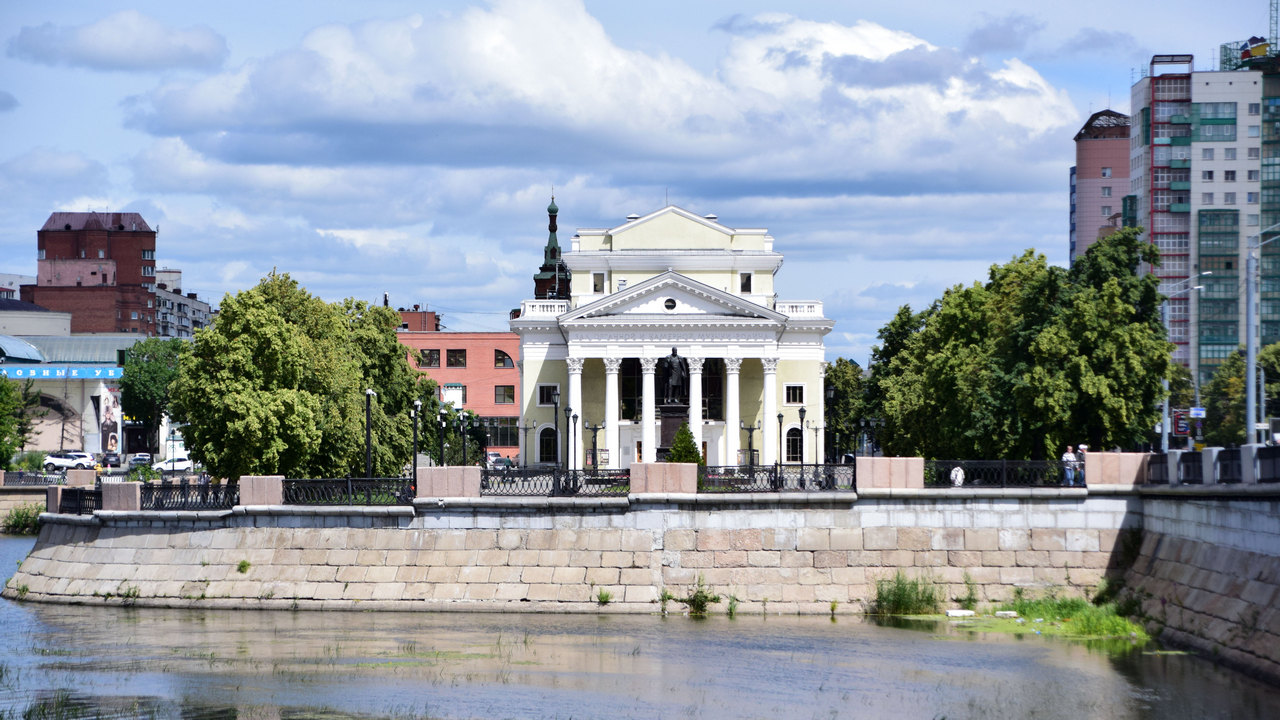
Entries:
{"x":1099,"y":179}
{"x":1196,"y":172}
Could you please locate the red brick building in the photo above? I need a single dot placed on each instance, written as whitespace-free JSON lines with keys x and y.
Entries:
{"x":100,"y":267}
{"x":476,"y":371}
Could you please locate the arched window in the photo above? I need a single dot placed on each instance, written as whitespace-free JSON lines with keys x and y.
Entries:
{"x":795,"y":446}
{"x":502,"y":360}
{"x":548,"y":448}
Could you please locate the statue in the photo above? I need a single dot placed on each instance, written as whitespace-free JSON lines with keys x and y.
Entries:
{"x":677,"y":374}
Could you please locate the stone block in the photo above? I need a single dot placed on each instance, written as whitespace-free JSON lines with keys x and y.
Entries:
{"x":122,"y":496}
{"x":468,"y":575}
{"x":537,"y":575}
{"x":964,"y":558}
{"x":585,"y":558}
{"x":638,"y":541}
{"x":1048,"y":539}
{"x":442,"y":575}
{"x":846,"y":538}
{"x":747,"y":540}
{"x":481,"y":540}
{"x":602,"y":576}
{"x":458,"y":558}
{"x":1017,"y":575}
{"x":866,"y":558}
{"x":261,"y":490}
{"x":568,"y":575}
{"x":574,"y":593}
{"x":709,"y":540}
{"x":1082,"y":540}
{"x":510,"y":539}
{"x":999,"y":558}
{"x":880,"y":538}
{"x":451,"y":540}
{"x":1032,"y":558}
{"x":982,"y":539}
{"x":636,"y":576}
{"x":511,"y":591}
{"x":640,"y":594}
{"x":898,"y":558}
{"x":505,"y":574}
{"x":949,"y":538}
{"x":796,"y":559}
{"x":765,"y":558}
{"x":521,"y":558}
{"x":913,"y":538}
{"x":731,"y":558}
{"x":931,"y":558}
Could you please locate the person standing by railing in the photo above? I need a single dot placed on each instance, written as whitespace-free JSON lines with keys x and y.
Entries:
{"x":1069,"y":467}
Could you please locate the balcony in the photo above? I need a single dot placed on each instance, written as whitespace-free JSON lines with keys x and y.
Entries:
{"x":1180,"y":185}
{"x":800,"y":308}
{"x":1180,"y":163}
{"x":1180,"y":207}
{"x":542,"y":309}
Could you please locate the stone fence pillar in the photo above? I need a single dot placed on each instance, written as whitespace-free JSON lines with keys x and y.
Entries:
{"x":449,"y":481}
{"x":262,"y":490}
{"x":1,"y":478}
{"x":664,"y":478}
{"x":890,"y":472}
{"x":81,"y":478}
{"x":122,"y":496}
{"x":1209,"y":465}
{"x":1115,"y":468}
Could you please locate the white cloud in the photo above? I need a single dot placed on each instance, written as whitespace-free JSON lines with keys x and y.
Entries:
{"x":127,"y":40}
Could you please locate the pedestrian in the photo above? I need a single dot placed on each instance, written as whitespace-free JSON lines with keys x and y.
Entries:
{"x":1068,"y":467}
{"x":1080,"y":464}
{"x":957,"y":476}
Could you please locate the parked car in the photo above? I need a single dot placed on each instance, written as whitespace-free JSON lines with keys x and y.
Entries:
{"x":54,"y":462}
{"x":502,"y":463}
{"x":111,"y":459}
{"x":177,"y":463}
{"x":139,"y":460}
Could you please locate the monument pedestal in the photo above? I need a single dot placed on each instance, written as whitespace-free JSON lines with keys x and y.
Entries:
{"x":670,"y":417}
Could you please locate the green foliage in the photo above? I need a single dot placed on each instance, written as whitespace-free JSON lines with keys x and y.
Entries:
{"x":894,"y":339}
{"x":142,"y":473}
{"x":970,"y":599}
{"x":1223,"y":396}
{"x":29,"y":411}
{"x":848,"y":399}
{"x":665,"y":597}
{"x":31,"y":461}
{"x":23,"y":520}
{"x":699,"y":598}
{"x":900,"y":595}
{"x":149,"y":372}
{"x":1036,"y":358}
{"x":11,"y":410}
{"x":683,"y":448}
{"x":242,"y":567}
{"x":604,"y":597}
{"x":277,"y":386}
{"x":1085,"y":619}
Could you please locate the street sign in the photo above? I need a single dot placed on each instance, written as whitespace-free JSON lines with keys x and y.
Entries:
{"x":1261,"y":426}
{"x":1180,"y":425}
{"x":1197,"y":412}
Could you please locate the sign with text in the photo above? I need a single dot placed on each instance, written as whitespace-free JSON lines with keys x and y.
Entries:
{"x":61,"y":372}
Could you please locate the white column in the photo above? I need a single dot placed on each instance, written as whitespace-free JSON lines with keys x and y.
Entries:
{"x":574,"y":429}
{"x":772,"y":453}
{"x":732,"y":412}
{"x":820,"y":445}
{"x":611,"y":436}
{"x":648,"y":416}
{"x":695,"y":401}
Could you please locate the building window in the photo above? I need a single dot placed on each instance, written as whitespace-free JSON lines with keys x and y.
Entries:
{"x":502,"y":431}
{"x":545,"y":393}
{"x":744,"y":283}
{"x":795,"y":445}
{"x":148,"y":254}
{"x":1206,"y":154}
{"x":1228,"y":198}
{"x":597,"y":283}
{"x":40,"y":254}
{"x":504,"y":394}
{"x":1106,"y":172}
{"x":1255,"y":108}
{"x":1106,"y":191}
{"x":1253,"y":175}
{"x":1228,"y":176}
{"x":1251,"y":198}
{"x":1251,"y":220}
{"x":1206,"y":198}
{"x":502,"y":360}
{"x":1106,"y":211}
{"x":1255,"y":131}
{"x":102,"y":254}
{"x":429,"y":358}
{"x":793,"y":394}
{"x":1228,"y":153}
{"x":455,"y":358}
{"x":548,"y":446}
{"x":1255,"y":153}
{"x":148,"y":303}
{"x":1206,"y":175}
{"x":133,"y":315}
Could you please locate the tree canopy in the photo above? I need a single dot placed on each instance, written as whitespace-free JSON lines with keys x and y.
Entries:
{"x":276,"y":385}
{"x":149,"y":371}
{"x":846,"y":406}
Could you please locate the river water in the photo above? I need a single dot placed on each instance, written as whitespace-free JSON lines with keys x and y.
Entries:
{"x":86,"y":661}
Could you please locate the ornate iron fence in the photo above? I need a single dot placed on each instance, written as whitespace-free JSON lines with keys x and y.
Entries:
{"x":80,"y":501}
{"x":995,"y":473}
{"x":1158,"y":469}
{"x":553,"y":482}
{"x":1190,"y":469}
{"x":776,"y":478}
{"x":349,"y":491}
{"x":23,"y":478}
{"x":188,"y":496}
{"x":1229,"y":470}
{"x":1268,"y":464}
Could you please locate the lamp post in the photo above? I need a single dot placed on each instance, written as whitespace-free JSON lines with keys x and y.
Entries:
{"x":780,"y":450}
{"x":1250,"y":335}
{"x":414,"y":414}
{"x":573,"y":440}
{"x":528,"y":427}
{"x":751,"y":446}
{"x":1164,"y":320}
{"x":368,"y":432}
{"x":444,"y":416}
{"x":595,"y":457}
{"x":555,"y":418}
{"x":568,"y":461}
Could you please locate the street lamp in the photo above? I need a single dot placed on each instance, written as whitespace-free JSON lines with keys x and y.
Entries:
{"x":555,"y":418}
{"x":1164,"y":320}
{"x":780,"y":453}
{"x":368,"y":432}
{"x":802,"y":427}
{"x":414,"y":414}
{"x":568,"y":461}
{"x":1250,"y":336}
{"x":573,"y":440}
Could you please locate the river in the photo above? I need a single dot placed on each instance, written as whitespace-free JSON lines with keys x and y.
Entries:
{"x":87,"y":661}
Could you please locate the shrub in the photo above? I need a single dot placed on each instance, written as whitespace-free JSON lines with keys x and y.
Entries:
{"x":31,"y":461}
{"x":604,"y":597}
{"x":23,"y":520}
{"x":683,"y":448}
{"x":902,"y":596}
{"x":1084,"y":618}
{"x":699,"y":599}
{"x":142,"y":473}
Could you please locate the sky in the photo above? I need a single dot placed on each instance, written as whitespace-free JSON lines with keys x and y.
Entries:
{"x":893,"y":150}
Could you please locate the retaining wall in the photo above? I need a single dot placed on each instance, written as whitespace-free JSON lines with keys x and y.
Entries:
{"x":12,"y":497}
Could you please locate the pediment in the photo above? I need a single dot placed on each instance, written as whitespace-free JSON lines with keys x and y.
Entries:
{"x":675,"y":296}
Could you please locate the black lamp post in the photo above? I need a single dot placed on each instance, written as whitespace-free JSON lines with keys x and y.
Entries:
{"x":780,"y":452}
{"x":751,"y":445}
{"x":595,"y":456}
{"x":567,"y":412}
{"x":462,"y":424}
{"x":573,"y":437}
{"x":414,"y":414}
{"x":368,"y":432}
{"x":555,"y":418}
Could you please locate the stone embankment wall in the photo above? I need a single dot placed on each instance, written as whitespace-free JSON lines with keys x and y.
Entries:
{"x":1208,"y":573}
{"x":12,"y":497}
{"x":790,"y":553}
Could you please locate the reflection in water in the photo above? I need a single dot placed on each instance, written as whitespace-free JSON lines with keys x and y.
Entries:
{"x":99,"y":661}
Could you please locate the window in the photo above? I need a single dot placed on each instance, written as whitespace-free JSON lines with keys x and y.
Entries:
{"x":1253,"y":175}
{"x":1255,"y":131}
{"x":102,"y":254}
{"x":148,"y":303}
{"x":795,"y":445}
{"x":504,"y":394}
{"x":1228,"y":153}
{"x":1255,"y":153}
{"x":794,"y":394}
{"x":548,"y":446}
{"x":1251,"y":220}
{"x":502,"y":360}
{"x":1228,"y":176}
{"x":1206,"y":175}
{"x":133,"y":315}
{"x":744,"y":282}
{"x":1255,"y":108}
{"x":1106,"y":211}
{"x":429,"y":358}
{"x":502,"y":431}
{"x":40,"y":254}
{"x":1106,"y":172}
{"x":597,"y":283}
{"x":148,"y":254}
{"x":455,"y":358}
{"x":1251,"y":198}
{"x":1206,"y":154}
{"x":1106,"y":191}
{"x":1228,"y":198}
{"x":546,"y":393}
{"x":1206,"y":198}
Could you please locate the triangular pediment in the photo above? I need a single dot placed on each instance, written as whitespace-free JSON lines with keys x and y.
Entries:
{"x":674,"y":296}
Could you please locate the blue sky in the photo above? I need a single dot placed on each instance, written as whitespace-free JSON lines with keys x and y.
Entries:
{"x":892,"y":149}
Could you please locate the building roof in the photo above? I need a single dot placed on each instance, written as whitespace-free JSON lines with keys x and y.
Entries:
{"x":129,"y":221}
{"x":82,"y":348}
{"x":12,"y":305}
{"x":1104,"y":124}
{"x":14,"y":348}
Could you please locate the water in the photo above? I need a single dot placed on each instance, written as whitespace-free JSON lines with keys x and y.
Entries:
{"x":87,"y":661}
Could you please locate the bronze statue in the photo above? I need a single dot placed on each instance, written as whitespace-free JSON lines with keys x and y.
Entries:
{"x":677,"y":374}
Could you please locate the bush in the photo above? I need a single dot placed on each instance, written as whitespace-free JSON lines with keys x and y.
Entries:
{"x":699,"y":599}
{"x":1082,"y":617}
{"x":23,"y":520}
{"x":902,"y":596}
{"x":31,"y":461}
{"x":142,"y":473}
{"x":683,"y":448}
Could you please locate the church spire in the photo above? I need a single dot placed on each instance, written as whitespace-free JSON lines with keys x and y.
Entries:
{"x":552,"y":279}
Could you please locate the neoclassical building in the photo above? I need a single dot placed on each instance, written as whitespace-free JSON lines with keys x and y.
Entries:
{"x":670,"y":317}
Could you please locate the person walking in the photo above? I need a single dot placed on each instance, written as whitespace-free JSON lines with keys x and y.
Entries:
{"x":1069,"y":467}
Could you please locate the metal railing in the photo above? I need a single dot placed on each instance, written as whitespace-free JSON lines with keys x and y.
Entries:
{"x":188,"y":496}
{"x":997,"y":473}
{"x":1190,"y":468}
{"x":776,"y":478}
{"x":23,"y":478}
{"x":1268,"y":464}
{"x":350,"y":491}
{"x":80,"y":501}
{"x":1158,"y":469}
{"x":1229,"y":469}
{"x":553,"y":482}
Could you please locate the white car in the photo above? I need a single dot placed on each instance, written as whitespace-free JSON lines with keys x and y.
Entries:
{"x":177,"y":463}
{"x":54,"y":462}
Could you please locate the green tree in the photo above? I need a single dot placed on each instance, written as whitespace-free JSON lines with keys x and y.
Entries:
{"x":29,"y":412}
{"x":683,"y":448}
{"x":1224,"y":403}
{"x":845,"y":408}
{"x":277,"y":386}
{"x":149,"y":371}
{"x":12,"y":411}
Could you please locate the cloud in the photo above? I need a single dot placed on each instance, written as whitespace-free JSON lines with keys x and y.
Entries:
{"x":1008,"y":34}
{"x":7,"y":101}
{"x":1109,"y":45}
{"x":46,"y":171}
{"x":127,"y":40}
